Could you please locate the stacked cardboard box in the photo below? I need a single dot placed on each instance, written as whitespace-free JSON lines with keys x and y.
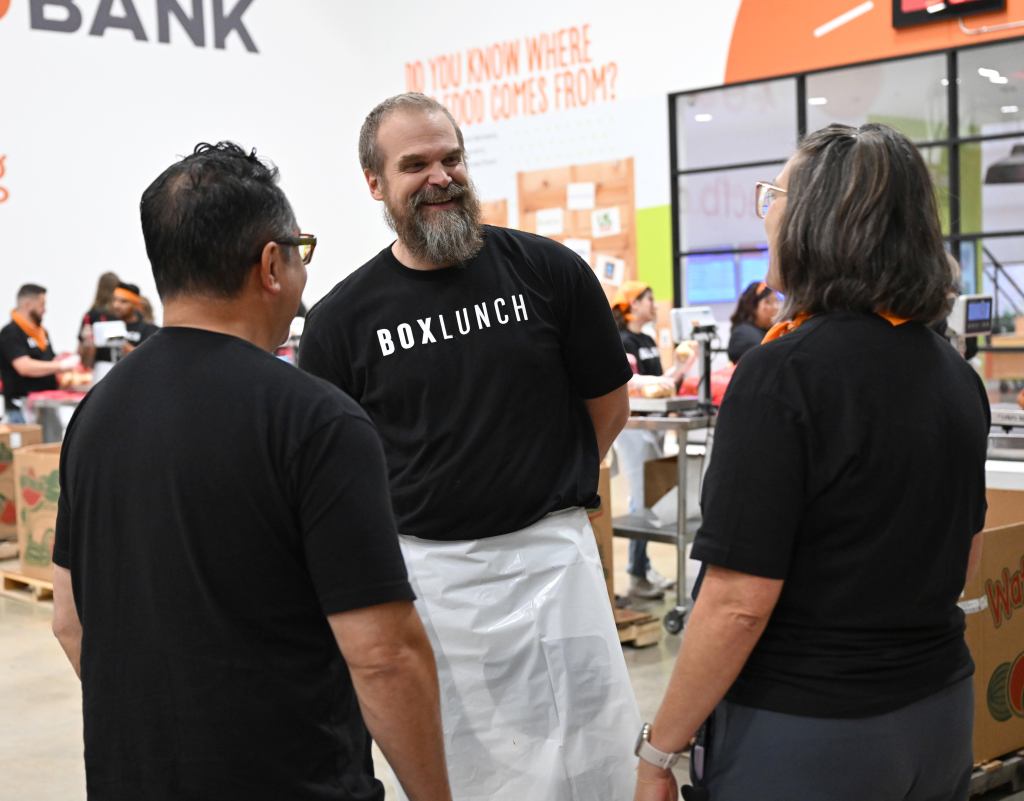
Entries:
{"x":37,"y":481}
{"x":994,"y":605}
{"x":12,"y":437}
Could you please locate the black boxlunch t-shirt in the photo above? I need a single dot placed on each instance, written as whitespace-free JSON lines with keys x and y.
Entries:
{"x":216,"y":505}
{"x":475,"y":377}
{"x":849,"y":461}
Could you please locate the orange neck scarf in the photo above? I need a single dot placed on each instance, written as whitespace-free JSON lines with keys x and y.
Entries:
{"x":36,"y":332}
{"x":783,"y":327}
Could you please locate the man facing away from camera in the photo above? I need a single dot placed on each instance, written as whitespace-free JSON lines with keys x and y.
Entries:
{"x":489,"y":361}
{"x":227,"y":578}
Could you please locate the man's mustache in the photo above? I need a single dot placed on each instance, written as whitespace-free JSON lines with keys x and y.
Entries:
{"x":434,"y":194}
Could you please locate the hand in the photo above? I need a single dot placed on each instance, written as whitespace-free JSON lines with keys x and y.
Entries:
{"x":68,"y":363}
{"x":653,"y":784}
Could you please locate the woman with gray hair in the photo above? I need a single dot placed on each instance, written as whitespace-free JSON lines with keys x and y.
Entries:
{"x":825,"y":655}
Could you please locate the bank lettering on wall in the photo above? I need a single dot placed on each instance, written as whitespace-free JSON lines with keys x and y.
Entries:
{"x":549,"y":71}
{"x":190,"y":16}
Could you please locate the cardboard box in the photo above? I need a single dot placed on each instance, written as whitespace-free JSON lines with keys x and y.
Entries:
{"x":660,"y":476}
{"x":994,"y":605}
{"x":601,"y":522}
{"x":12,"y":437}
{"x":37,"y":478}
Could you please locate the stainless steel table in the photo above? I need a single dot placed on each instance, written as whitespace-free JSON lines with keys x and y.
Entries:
{"x":638,"y":527}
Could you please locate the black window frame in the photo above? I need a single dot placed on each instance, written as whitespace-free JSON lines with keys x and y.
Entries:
{"x":952,"y":143}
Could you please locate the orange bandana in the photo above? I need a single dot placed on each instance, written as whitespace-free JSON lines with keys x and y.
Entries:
{"x":783,"y":327}
{"x":36,"y":332}
{"x":131,"y":297}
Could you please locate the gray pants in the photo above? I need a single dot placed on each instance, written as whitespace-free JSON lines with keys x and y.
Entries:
{"x":921,"y":752}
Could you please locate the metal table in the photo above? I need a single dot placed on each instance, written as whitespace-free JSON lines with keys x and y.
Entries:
{"x":47,"y":414}
{"x":638,"y":527}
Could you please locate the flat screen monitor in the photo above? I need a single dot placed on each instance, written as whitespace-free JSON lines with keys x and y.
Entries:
{"x":914,"y":12}
{"x":753,"y":267}
{"x":711,"y":278}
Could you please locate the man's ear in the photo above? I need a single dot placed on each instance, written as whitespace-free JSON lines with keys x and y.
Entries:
{"x":272,"y":263}
{"x":376,"y":185}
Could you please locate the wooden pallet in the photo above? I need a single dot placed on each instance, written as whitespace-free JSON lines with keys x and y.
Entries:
{"x":638,"y":629}
{"x":1007,"y":771}
{"x":16,"y":585}
{"x":8,"y":550}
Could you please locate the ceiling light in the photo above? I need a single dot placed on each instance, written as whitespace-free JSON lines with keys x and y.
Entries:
{"x":1009,"y":109}
{"x":944,"y":81}
{"x":703,"y":118}
{"x":985,"y":72}
{"x":817,"y":101}
{"x":1000,"y":79}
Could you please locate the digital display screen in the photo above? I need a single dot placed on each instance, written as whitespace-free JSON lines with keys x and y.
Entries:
{"x":711,"y":278}
{"x":753,"y":267}
{"x":979,"y":310}
{"x":914,"y":12}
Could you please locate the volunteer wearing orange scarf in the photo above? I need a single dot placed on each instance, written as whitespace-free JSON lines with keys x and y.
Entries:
{"x":633,"y":309}
{"x":825,"y":655}
{"x":26,"y":358}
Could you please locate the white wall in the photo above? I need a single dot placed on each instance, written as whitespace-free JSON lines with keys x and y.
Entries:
{"x":86,"y":122}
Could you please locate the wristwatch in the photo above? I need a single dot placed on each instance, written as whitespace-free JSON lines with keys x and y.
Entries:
{"x":648,"y":753}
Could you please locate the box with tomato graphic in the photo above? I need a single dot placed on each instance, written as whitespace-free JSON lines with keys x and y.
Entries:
{"x":994,"y":605}
{"x":37,"y":479}
{"x":12,"y":437}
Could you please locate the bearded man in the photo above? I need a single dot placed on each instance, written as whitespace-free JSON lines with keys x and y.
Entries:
{"x":27,"y":361}
{"x":489,"y":361}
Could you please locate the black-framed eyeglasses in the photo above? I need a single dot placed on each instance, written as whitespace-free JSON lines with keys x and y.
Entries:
{"x":306,"y":243}
{"x":764,"y":195}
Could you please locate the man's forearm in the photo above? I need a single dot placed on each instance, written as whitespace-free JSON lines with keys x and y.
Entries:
{"x":400,"y":702}
{"x":28,"y":367}
{"x":67,"y":626}
{"x":72,"y":646}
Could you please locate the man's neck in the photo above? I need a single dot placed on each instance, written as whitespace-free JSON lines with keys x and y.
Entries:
{"x":219,"y":316}
{"x":635,"y":326}
{"x":406,"y":258}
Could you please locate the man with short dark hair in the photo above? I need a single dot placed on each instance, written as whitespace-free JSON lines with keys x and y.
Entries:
{"x":490,"y":363}
{"x":27,"y":361}
{"x":227,"y":581}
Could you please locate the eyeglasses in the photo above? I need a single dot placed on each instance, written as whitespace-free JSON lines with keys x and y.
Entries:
{"x":306,"y":243}
{"x":764,"y":195}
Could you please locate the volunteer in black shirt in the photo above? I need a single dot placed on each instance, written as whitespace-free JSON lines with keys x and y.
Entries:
{"x":27,"y":361}
{"x":633,"y":308}
{"x":841,"y":507}
{"x":754,"y":314}
{"x":489,"y":362}
{"x":127,"y":306}
{"x":227,"y":578}
{"x":99,"y":312}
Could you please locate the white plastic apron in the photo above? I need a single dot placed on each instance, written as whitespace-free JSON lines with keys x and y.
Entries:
{"x":535,"y":698}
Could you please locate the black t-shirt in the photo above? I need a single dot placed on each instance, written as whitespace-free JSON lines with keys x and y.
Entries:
{"x":475,"y":377}
{"x":849,"y":460}
{"x":644,"y":349}
{"x":15,"y":343}
{"x":216,"y":504}
{"x":742,"y":338}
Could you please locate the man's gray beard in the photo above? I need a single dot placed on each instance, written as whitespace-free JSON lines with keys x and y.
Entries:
{"x":453,"y":237}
